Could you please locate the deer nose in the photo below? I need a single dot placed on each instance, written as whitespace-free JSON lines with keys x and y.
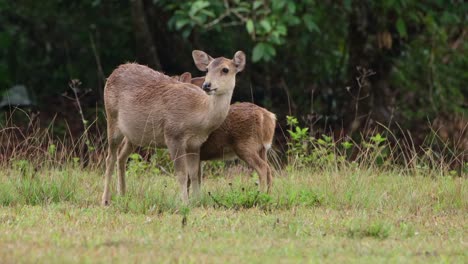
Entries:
{"x":206,"y":86}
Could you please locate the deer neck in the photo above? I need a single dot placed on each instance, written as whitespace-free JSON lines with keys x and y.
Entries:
{"x":219,"y":107}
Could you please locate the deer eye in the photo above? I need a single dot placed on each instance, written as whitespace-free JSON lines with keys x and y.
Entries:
{"x":225,"y":70}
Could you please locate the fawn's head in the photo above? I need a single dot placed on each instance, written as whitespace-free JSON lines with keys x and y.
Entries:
{"x":221,"y":72}
{"x":186,"y":77}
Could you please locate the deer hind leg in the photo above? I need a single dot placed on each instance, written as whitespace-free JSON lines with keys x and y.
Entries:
{"x":179,"y":157}
{"x":253,"y":159}
{"x":263,"y":156}
{"x":125,"y":151}
{"x":200,"y":172}
{"x":114,"y":138}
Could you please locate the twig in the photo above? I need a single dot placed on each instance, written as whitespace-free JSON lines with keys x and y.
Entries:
{"x":101,"y":75}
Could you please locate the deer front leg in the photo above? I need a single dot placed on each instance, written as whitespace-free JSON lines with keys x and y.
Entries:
{"x":179,"y":157}
{"x":193,"y":166}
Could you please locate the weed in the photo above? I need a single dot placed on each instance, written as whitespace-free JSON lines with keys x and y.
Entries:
{"x":377,"y":229}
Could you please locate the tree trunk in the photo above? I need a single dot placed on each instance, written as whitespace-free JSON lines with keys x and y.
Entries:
{"x":146,"y":50}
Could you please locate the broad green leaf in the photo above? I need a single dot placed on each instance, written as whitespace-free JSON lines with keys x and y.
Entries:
{"x":281,"y":29}
{"x":197,"y":6}
{"x":250,"y":26}
{"x":241,"y":9}
{"x":310,"y":24}
{"x":292,"y":7}
{"x":401,"y":27}
{"x":278,"y":4}
{"x":263,"y":50}
{"x":258,"y":52}
{"x":266,"y":25}
{"x":257,"y":4}
{"x":294,"y":20}
{"x":208,"y":13}
{"x":270,"y":50}
{"x":180,"y":23}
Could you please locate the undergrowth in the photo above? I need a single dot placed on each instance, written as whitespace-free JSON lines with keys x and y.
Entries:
{"x":372,"y":173}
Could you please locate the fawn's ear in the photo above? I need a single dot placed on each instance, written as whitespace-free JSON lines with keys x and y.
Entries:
{"x":201,"y":59}
{"x":185,"y":77}
{"x":239,"y":60}
{"x":198,"y":81}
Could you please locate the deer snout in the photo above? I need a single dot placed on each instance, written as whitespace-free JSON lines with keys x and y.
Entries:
{"x":206,"y":86}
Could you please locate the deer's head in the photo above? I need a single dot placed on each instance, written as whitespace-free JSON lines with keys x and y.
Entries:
{"x":221,"y":72}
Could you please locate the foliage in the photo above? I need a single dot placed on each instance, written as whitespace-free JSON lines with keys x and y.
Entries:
{"x":306,"y":150}
{"x":45,"y":44}
{"x":402,"y":30}
{"x":307,"y":50}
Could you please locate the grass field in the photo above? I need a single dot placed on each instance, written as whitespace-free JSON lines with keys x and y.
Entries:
{"x":347,"y":215}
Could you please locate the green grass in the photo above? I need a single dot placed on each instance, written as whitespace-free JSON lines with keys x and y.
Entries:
{"x":351,"y":215}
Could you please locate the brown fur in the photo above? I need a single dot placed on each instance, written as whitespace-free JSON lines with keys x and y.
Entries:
{"x":246,"y":133}
{"x":145,"y":107}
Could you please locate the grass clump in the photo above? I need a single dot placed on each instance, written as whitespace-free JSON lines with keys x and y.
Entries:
{"x":376,"y":229}
{"x":242,"y":198}
{"x":37,"y":188}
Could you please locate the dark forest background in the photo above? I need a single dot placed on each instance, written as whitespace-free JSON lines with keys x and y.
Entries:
{"x":341,"y":67}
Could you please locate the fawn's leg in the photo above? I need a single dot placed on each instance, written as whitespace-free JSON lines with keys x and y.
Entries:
{"x":252,"y":158}
{"x":263,"y":156}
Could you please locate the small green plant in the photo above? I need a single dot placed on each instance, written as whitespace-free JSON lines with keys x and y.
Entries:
{"x":305,"y":150}
{"x":160,"y":162}
{"x":377,"y":151}
{"x":304,"y":197}
{"x":237,"y":198}
{"x":377,"y":139}
{"x":184,"y":212}
{"x":136,"y":164}
{"x":299,"y":137}
{"x":299,"y":140}
{"x":24,"y":167}
{"x":407,"y":230}
{"x":214,"y":167}
{"x":346,"y":145}
{"x":7,"y":196}
{"x":75,"y":161}
{"x":52,"y":150}
{"x":377,"y":229}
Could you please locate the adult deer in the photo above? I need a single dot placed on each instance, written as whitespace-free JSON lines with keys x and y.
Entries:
{"x":145,"y":107}
{"x":246,"y":133}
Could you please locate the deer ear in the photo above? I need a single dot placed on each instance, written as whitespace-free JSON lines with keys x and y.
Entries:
{"x":198,"y":81}
{"x":201,"y":59}
{"x":185,"y":77}
{"x":239,"y":60}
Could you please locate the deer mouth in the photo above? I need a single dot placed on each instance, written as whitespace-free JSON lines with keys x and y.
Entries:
{"x":210,"y":91}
